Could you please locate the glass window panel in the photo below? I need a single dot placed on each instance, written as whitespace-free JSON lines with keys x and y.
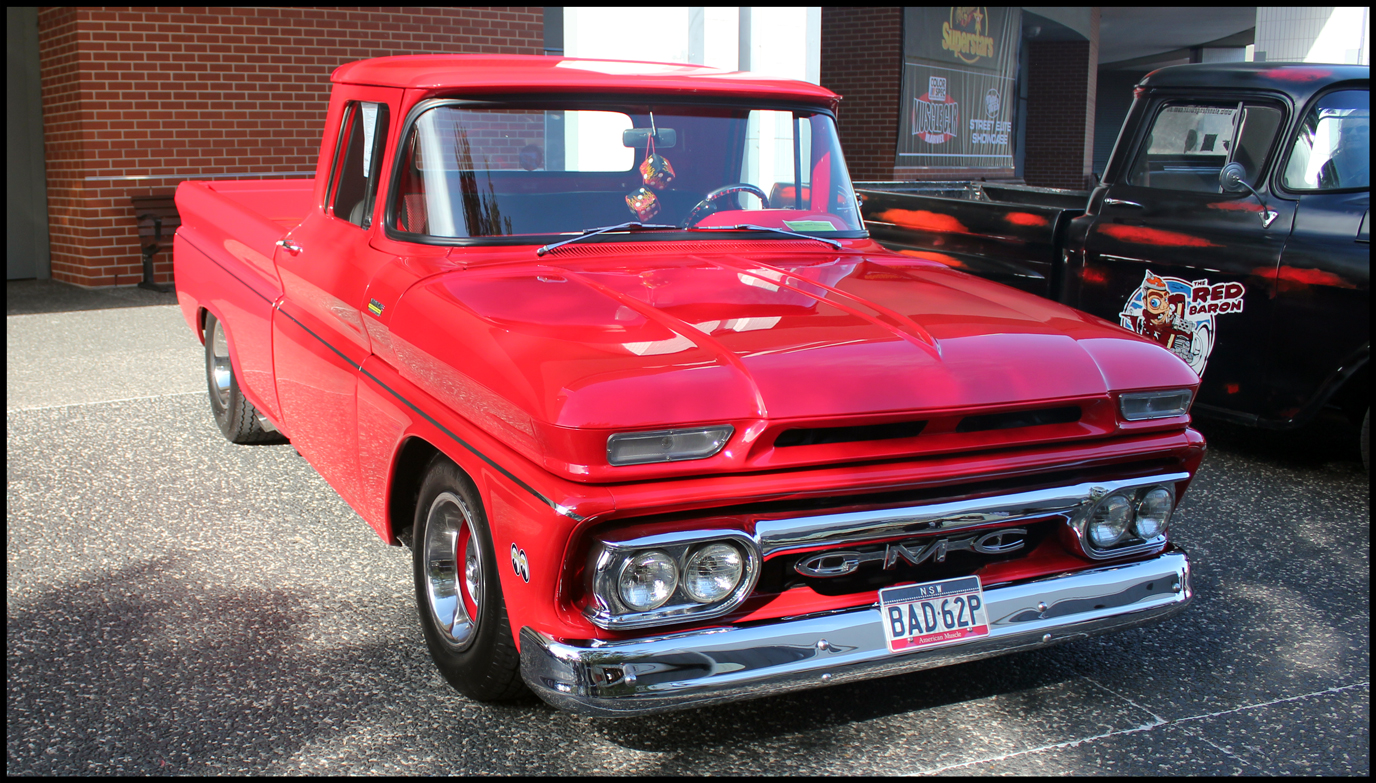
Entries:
{"x":1332,"y":150}
{"x":505,"y":170}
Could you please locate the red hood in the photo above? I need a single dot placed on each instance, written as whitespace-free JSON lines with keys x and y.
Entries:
{"x":717,"y":338}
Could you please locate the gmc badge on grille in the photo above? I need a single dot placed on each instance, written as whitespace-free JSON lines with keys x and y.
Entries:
{"x":915,"y":552}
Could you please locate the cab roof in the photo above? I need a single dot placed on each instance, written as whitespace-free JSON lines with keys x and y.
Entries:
{"x":1299,"y":80}
{"x":490,"y":73}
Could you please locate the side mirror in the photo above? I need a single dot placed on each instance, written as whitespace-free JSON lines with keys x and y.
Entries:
{"x":1233,"y":178}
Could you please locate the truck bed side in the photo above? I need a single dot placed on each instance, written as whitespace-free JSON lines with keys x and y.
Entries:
{"x":223,"y":263}
{"x":1012,"y":243}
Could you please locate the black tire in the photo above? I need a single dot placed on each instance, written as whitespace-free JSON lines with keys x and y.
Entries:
{"x":236,"y":416}
{"x":468,"y":634}
{"x":1366,"y":441}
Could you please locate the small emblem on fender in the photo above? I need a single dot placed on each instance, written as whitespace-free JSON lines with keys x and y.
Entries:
{"x":519,"y":564}
{"x":374,"y":307}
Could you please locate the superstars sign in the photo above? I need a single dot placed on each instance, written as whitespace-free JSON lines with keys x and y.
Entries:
{"x":958,"y":87}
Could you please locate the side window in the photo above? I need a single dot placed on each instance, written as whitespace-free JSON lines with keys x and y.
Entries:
{"x":363,"y":139}
{"x":778,"y":158}
{"x":1189,"y":144}
{"x":1332,"y":150}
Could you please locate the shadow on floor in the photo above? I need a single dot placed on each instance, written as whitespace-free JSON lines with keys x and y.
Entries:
{"x":1329,"y":438}
{"x":26,"y":297}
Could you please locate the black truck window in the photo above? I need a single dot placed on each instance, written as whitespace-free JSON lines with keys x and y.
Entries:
{"x":1189,"y":144}
{"x":1333,"y":148}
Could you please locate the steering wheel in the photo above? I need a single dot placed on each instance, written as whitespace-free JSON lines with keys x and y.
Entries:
{"x":705,"y":207}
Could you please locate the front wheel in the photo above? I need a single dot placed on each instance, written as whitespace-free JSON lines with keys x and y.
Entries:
{"x":458,"y":593}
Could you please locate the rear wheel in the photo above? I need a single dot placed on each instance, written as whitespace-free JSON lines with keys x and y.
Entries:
{"x":1366,"y":441}
{"x":458,"y":593}
{"x":235,"y":415}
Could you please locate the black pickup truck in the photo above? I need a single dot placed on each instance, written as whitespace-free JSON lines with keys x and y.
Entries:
{"x":1231,"y":226}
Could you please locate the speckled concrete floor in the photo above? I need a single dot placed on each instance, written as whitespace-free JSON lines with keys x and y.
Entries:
{"x":180,"y":605}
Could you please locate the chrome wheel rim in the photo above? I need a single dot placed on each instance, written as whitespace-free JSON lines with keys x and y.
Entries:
{"x":221,"y":373}
{"x":453,"y":570}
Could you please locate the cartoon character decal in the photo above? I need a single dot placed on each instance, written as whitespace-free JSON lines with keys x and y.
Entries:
{"x":1181,"y":315}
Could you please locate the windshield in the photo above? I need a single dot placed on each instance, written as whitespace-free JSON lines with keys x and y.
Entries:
{"x":501,"y":170}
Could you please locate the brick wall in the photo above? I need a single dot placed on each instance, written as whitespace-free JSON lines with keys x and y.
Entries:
{"x":1061,"y":84}
{"x":172,"y":94}
{"x":862,"y":61}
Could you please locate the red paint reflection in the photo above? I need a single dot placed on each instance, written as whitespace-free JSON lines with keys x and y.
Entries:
{"x":923,"y":220}
{"x":1298,"y":74}
{"x":1025,"y":219}
{"x":1142,"y":235}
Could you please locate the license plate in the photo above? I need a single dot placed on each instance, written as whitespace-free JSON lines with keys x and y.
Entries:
{"x":933,"y":614}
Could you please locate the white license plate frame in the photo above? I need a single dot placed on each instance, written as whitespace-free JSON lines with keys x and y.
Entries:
{"x":933,"y":614}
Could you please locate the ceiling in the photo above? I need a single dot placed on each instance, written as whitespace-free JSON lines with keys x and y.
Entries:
{"x":1136,"y":32}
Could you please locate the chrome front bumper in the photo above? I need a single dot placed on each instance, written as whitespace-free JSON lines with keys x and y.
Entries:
{"x":670,"y":672}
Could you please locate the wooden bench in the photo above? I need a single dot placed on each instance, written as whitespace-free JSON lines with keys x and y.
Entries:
{"x":158,"y":222}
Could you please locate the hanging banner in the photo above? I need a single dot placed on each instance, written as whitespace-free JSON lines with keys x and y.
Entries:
{"x":959,"y":87}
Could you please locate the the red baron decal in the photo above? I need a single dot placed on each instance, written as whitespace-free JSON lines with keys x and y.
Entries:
{"x":1025,"y":219}
{"x":1181,"y":314}
{"x":923,"y":220}
{"x":1142,"y":235}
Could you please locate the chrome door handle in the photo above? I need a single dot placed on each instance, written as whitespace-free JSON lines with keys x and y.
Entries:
{"x":1118,"y":202}
{"x":289,"y":246}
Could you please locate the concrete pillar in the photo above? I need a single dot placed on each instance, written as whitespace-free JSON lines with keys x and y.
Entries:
{"x":1062,"y":81}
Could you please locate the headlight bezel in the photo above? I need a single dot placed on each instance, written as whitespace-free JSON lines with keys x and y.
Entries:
{"x":1130,"y":542}
{"x":1137,"y":406}
{"x":607,"y":558}
{"x":618,"y":444}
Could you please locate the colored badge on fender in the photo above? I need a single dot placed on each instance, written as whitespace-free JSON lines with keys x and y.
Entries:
{"x":1181,"y":315}
{"x":374,"y":307}
{"x":519,"y":564}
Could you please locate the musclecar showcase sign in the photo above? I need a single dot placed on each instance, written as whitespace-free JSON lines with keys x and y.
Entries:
{"x":958,"y":92}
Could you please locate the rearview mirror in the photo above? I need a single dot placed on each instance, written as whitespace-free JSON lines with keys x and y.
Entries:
{"x":1232,"y":178}
{"x":640,"y":137}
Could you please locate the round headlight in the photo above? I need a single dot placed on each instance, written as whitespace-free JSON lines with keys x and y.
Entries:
{"x":1153,"y":513}
{"x":713,"y":572}
{"x":647,"y":580}
{"x":1110,"y":521}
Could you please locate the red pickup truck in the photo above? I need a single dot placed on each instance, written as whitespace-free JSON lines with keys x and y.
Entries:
{"x":607,"y":345}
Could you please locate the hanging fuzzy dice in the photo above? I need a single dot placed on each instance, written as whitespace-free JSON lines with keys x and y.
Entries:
{"x":656,"y":171}
{"x":643,"y":203}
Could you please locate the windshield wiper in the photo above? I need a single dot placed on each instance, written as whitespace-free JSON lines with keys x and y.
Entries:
{"x":752,"y":227}
{"x":632,"y":226}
